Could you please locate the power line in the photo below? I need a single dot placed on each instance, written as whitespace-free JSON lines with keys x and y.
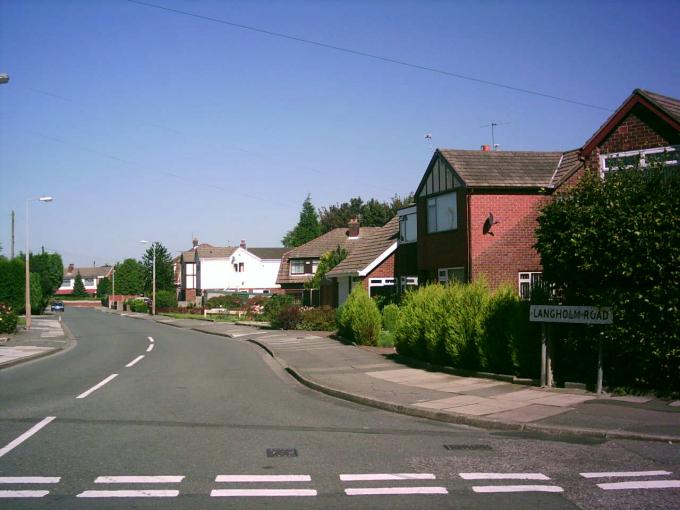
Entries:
{"x":371,"y":55}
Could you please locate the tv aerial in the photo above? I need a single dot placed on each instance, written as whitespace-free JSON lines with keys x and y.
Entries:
{"x":493,"y":132}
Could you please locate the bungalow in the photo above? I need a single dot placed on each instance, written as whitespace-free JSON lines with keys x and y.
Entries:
{"x":90,"y":275}
{"x":207,"y":268}
{"x":476,"y":211}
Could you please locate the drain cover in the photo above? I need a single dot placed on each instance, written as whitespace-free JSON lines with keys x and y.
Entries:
{"x":467,"y":447}
{"x":282,"y":452}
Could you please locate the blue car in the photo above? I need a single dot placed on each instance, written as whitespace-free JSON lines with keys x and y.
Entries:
{"x":57,"y":306}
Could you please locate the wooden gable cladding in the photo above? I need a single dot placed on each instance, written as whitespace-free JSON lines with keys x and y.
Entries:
{"x":439,"y":178}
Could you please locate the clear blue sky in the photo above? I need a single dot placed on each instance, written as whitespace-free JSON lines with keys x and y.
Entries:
{"x":148,"y":124}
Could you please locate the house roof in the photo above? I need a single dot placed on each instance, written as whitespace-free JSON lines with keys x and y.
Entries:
{"x":207,"y":251}
{"x":569,"y":163}
{"x":500,"y":169}
{"x":315,"y":248}
{"x":666,"y":108}
{"x":268,"y":253}
{"x":368,"y":249}
{"x":89,"y":272}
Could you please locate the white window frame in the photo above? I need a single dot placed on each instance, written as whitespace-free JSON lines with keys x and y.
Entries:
{"x":91,"y":282}
{"x":406,"y":216}
{"x":444,"y":274}
{"x":528,"y":277}
{"x":604,"y":169}
{"x":432,"y":208}
{"x":294,"y":263}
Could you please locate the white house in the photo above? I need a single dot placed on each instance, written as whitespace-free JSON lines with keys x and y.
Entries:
{"x":90,"y":275}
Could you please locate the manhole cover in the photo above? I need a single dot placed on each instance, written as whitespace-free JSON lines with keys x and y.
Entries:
{"x":282,"y":452}
{"x":467,"y":447}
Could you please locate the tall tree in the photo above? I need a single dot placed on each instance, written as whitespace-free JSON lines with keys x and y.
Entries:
{"x":51,"y":270}
{"x":164,"y":268}
{"x":103,"y":287}
{"x":371,"y":214}
{"x":79,"y":286}
{"x":129,"y":277}
{"x":308,"y":227}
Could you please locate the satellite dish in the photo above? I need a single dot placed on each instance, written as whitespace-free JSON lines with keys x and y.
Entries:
{"x":428,"y":136}
{"x":488,"y":224}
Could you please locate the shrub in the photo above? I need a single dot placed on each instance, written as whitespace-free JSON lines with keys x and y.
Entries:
{"x":390,"y":314}
{"x":465,"y":308}
{"x":254,"y":307}
{"x":317,"y":319}
{"x":417,"y":333}
{"x":8,"y":319}
{"x":137,"y":305}
{"x":274,"y":304}
{"x":503,"y":332}
{"x":228,"y":301}
{"x":166,"y":299}
{"x":288,"y":317}
{"x":105,"y":301}
{"x":359,"y":318}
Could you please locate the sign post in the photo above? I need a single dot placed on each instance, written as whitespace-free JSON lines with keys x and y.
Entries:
{"x":570,"y":315}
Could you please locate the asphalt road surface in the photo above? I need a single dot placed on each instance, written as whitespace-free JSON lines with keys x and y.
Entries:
{"x":141,"y":415}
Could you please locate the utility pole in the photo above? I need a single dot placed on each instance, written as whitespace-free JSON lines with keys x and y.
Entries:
{"x":11,"y":253}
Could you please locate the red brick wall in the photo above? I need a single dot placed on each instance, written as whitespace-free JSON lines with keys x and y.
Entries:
{"x":384,"y":270}
{"x":501,"y":256}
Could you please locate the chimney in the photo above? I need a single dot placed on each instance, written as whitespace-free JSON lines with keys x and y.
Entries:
{"x":195,"y":242}
{"x":353,"y":228}
{"x":243,"y":244}
{"x":70,"y":269}
{"x":486,"y":148}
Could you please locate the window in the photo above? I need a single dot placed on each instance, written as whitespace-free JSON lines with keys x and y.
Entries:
{"x":297,"y":267}
{"x":408,"y":227}
{"x":66,"y":282}
{"x":88,"y":282}
{"x":527,"y":281}
{"x":442,"y":213}
{"x":239,"y":268}
{"x":451,"y":274}
{"x":640,"y":158}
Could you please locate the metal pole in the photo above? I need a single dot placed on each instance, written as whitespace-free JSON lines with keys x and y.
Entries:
{"x":28,"y":275}
{"x":600,"y":371}
{"x":544,"y":353}
{"x":11,"y":253}
{"x":113,"y":289}
{"x":153,"y":297}
{"x":548,"y":364}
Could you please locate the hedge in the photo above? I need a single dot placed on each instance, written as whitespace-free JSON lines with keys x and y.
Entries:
{"x":359,"y":319}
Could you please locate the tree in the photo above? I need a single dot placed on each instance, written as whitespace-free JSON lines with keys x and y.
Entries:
{"x":51,"y":270}
{"x":129,"y":277}
{"x":164,"y":269}
{"x":13,"y":283}
{"x":103,"y":287}
{"x":616,"y":242}
{"x":79,"y":286}
{"x":307,"y":228}
{"x":328,"y":261}
{"x":371,"y":214}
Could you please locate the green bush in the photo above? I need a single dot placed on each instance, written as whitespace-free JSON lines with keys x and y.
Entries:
{"x":465,"y":308}
{"x":12,"y":283}
{"x":137,"y":305}
{"x":503,"y":332}
{"x":8,"y":319}
{"x":359,"y":318}
{"x":288,"y":317}
{"x":166,"y":299}
{"x":105,"y":301}
{"x":228,"y":301}
{"x":418,"y":329}
{"x":390,"y":314}
{"x":317,"y":319}
{"x":274,"y":304}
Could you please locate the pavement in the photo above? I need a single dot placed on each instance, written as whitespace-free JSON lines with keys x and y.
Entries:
{"x":380,"y":378}
{"x":47,"y":335}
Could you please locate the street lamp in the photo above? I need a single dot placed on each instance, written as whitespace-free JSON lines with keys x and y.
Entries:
{"x":153,"y":291}
{"x":4,"y":78}
{"x":28,"y":269}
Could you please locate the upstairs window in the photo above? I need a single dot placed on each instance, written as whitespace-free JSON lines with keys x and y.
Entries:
{"x":442,"y":213}
{"x":615,"y":162}
{"x":408,"y":229}
{"x":303,"y":267}
{"x":527,"y":282}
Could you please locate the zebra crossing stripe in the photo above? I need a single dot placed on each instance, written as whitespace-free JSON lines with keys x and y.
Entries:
{"x":139,"y":479}
{"x":23,"y":494}
{"x":386,"y":476}
{"x":30,"y":479}
{"x":650,"y":484}
{"x":225,"y":493}
{"x":503,"y":476}
{"x":616,"y":474}
{"x":386,"y":491}
{"x":262,"y":478}
{"x":130,"y":494}
{"x":517,"y":488}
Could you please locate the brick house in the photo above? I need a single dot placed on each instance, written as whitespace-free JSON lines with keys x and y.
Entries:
{"x":370,"y":263}
{"x":299,"y":265}
{"x":90,"y":275}
{"x":476,"y":211}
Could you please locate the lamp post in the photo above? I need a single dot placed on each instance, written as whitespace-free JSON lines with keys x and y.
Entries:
{"x":113,"y":290}
{"x":28,"y":269}
{"x":153,"y":288}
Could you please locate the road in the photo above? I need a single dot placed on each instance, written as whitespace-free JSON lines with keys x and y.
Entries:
{"x":142,"y":415}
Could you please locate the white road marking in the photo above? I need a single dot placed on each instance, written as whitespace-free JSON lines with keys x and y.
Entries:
{"x":227,"y":493}
{"x":150,"y":339}
{"x":130,"y":494}
{"x":97,"y":386}
{"x":30,"y":479}
{"x":503,"y":476}
{"x":652,"y":484}
{"x":381,"y":491}
{"x":387,"y":476}
{"x":263,"y":478}
{"x":239,"y":335}
{"x":518,"y":488}
{"x":139,"y":479}
{"x":23,"y":494}
{"x":150,"y":348}
{"x":613,"y":474}
{"x":134,"y":361}
{"x":23,"y":437}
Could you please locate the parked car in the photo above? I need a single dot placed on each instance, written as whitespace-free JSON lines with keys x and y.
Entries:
{"x":57,"y":306}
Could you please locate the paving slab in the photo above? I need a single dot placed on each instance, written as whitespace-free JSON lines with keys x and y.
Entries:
{"x":562,"y":400}
{"x":489,"y":406}
{"x":527,"y":414}
{"x":448,"y":403}
{"x":633,"y":399}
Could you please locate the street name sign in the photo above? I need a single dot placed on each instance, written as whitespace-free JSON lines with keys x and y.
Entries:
{"x":571,"y":314}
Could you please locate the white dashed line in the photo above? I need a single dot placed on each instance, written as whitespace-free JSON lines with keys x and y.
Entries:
{"x":130,"y":494}
{"x":150,"y":339}
{"x":616,"y":474}
{"x":383,"y":491}
{"x":231,"y":493}
{"x":23,"y":437}
{"x":503,"y":476}
{"x":134,"y":361}
{"x":150,"y":348}
{"x":386,"y":476}
{"x":262,"y":478}
{"x":518,"y":488}
{"x":97,"y":386}
{"x":23,"y":494}
{"x":29,"y":479}
{"x":652,"y":484}
{"x":139,"y":479}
